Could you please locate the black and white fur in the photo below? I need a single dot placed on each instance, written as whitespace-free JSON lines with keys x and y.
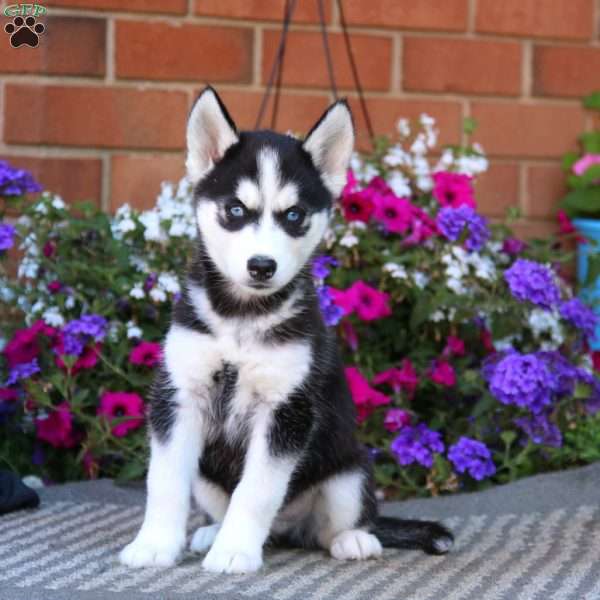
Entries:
{"x":250,"y":411}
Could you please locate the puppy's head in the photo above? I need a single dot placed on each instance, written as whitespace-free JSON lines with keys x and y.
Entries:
{"x":263,"y":199}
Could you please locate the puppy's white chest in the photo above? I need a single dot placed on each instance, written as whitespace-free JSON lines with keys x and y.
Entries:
{"x":265,"y":373}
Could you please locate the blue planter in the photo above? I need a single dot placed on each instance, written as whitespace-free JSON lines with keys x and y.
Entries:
{"x":590,"y":230}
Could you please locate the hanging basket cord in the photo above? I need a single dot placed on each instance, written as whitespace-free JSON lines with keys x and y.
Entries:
{"x":276,"y":74}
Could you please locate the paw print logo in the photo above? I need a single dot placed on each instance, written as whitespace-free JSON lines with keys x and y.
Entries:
{"x":24,"y":32}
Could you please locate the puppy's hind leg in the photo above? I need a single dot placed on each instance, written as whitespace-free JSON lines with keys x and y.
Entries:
{"x":341,"y":513}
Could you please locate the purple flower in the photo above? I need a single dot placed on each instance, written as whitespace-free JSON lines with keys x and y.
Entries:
{"x":332,"y":313}
{"x":580,"y":315}
{"x":7,"y":234}
{"x":513,"y":246}
{"x":78,"y":332}
{"x":150,"y":282}
{"x":563,"y":373}
{"x":321,"y":264}
{"x":533,"y":282}
{"x":417,"y":444}
{"x":520,"y":379}
{"x":473,"y":457}
{"x":16,"y":182}
{"x":23,"y":371}
{"x":540,"y":430}
{"x":452,"y":221}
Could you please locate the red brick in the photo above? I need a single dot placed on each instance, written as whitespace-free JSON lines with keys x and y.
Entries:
{"x":497,"y":189}
{"x":94,"y":116}
{"x":297,"y":112}
{"x":566,"y":71}
{"x":137,"y":179}
{"x":532,"y":130}
{"x":442,"y":15}
{"x":69,"y":46}
{"x":452,"y":65}
{"x":305,"y":60}
{"x":183,"y":52}
{"x":538,"y":229}
{"x":306,"y":11}
{"x":385,"y":112}
{"x":545,"y":187}
{"x":566,"y":19}
{"x":72,"y":178}
{"x":150,"y":6}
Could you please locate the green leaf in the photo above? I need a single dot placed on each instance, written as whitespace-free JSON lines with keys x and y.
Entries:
{"x":590,"y":141}
{"x":584,"y":201}
{"x":131,"y":470}
{"x":592,"y":101}
{"x":508,"y":437}
{"x":469,"y":125}
{"x":569,"y":159}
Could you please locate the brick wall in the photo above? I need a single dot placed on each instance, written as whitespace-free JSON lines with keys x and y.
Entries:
{"x":98,"y":109}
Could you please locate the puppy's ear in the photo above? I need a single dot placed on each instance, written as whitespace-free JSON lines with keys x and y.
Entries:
{"x":330,"y":143}
{"x":210,"y":131}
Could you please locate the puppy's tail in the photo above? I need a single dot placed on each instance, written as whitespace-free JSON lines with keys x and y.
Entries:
{"x":429,"y":536}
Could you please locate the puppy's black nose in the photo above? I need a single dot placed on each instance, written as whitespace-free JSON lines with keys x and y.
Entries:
{"x":261,"y":268}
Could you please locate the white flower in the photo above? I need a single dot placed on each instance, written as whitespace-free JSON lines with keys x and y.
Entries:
{"x":546,"y":324}
{"x":437,"y":316}
{"x":53,"y":317}
{"x":178,"y":228}
{"x":58,"y":203}
{"x":399,"y":184}
{"x":69,"y":302}
{"x":138,"y":263}
{"x":421,"y":279}
{"x":6,"y":294}
{"x":403,"y":127}
{"x":419,"y":146}
{"x":472,"y":164}
{"x":133,"y":331}
{"x":425,"y":183}
{"x":28,"y":268}
{"x":151,"y":221}
{"x":396,"y":157}
{"x":456,"y":285}
{"x":367,"y":173}
{"x":395,"y":270}
{"x":38,"y":306}
{"x":158,"y":295}
{"x":349,"y":240}
{"x":126,"y":225}
{"x":169,"y":283}
{"x":41,"y":208}
{"x":484,"y":266}
{"x":505,"y":343}
{"x":446,"y":160}
{"x":356,"y":162}
{"x":137,"y":291}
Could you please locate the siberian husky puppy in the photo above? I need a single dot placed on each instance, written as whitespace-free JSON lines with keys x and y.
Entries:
{"x":250,"y":412}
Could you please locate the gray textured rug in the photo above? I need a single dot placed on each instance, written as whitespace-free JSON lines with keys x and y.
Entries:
{"x":535,"y":539}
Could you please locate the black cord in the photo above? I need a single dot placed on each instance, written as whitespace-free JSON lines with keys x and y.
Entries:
{"x":326,"y":49}
{"x":355,"y":76}
{"x":276,"y":69}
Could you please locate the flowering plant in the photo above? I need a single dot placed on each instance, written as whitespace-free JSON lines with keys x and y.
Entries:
{"x":464,"y":350}
{"x":583,"y":171}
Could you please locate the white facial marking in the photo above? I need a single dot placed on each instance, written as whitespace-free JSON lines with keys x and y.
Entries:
{"x":248,"y":194}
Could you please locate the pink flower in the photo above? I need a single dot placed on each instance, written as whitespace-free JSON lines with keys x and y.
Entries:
{"x":366,"y":398}
{"x":54,"y":286}
{"x":87,"y":360}
{"x":145,"y":353}
{"x":443,"y":373}
{"x":357,"y":206}
{"x":90,"y":465}
{"x":8,"y":394}
{"x":368,"y":303}
{"x":115,"y":405}
{"x":395,"y":419}
{"x":565,"y":225}
{"x":423,"y":227}
{"x":454,"y":346}
{"x":585,"y":162}
{"x":49,"y":249}
{"x":453,"y":189}
{"x":24,"y":346}
{"x":404,"y":378}
{"x":486,"y":340}
{"x":396,"y":214}
{"x":57,"y":427}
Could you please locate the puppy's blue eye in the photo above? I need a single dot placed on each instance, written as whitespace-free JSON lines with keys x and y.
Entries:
{"x":294,"y":215}
{"x":236,"y":211}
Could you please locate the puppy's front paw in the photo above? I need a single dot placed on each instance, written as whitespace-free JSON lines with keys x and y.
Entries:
{"x":231,"y":561}
{"x":151,"y":551}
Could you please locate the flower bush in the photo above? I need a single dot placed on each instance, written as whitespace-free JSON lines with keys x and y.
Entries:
{"x":465,"y":351}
